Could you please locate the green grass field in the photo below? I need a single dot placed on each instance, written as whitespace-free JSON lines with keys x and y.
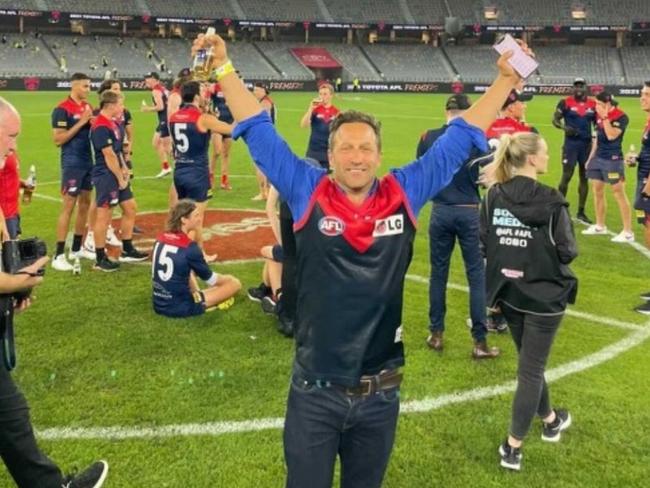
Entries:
{"x":92,"y":354}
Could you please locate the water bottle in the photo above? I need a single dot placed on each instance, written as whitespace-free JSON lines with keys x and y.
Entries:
{"x":203,"y":60}
{"x":631,"y":156}
{"x":30,"y":184}
{"x":76,"y":267}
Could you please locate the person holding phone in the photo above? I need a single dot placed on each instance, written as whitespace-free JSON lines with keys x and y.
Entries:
{"x":354,"y":235}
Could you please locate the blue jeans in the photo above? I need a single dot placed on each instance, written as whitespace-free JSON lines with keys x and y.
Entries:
{"x":448,"y":223}
{"x":323,"y":421}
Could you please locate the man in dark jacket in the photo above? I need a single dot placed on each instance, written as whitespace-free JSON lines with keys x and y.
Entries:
{"x":455,"y":215}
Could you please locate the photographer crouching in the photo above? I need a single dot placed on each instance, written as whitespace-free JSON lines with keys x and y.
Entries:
{"x":21,"y":269}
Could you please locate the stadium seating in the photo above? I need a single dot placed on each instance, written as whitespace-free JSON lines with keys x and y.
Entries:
{"x":636,"y":61}
{"x":24,"y":4}
{"x":251,"y":63}
{"x":190,"y":8}
{"x":473,"y":64}
{"x":31,"y":60}
{"x":295,"y":10}
{"x":279,"y":52}
{"x":427,"y":12}
{"x":129,"y":58}
{"x":410,"y":62}
{"x":561,"y":64}
{"x":366,"y":11}
{"x":548,"y":12}
{"x":122,"y":7}
{"x":355,"y":63}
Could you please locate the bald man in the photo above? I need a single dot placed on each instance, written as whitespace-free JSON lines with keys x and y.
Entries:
{"x":28,"y":466}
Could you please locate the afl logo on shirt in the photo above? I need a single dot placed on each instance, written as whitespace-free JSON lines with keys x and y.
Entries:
{"x":331,"y":226}
{"x":389,"y":226}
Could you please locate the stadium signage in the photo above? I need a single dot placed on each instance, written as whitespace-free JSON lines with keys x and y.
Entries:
{"x":22,"y":13}
{"x":596,"y":28}
{"x":341,"y":25}
{"x":264,"y":23}
{"x":101,"y":17}
{"x":421,"y":87}
{"x":8,"y":83}
{"x":418,"y":27}
{"x":181,"y":20}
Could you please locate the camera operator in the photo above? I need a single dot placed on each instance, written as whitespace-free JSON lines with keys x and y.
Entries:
{"x":28,"y":466}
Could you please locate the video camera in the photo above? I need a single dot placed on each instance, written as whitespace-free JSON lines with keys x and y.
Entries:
{"x":16,"y":255}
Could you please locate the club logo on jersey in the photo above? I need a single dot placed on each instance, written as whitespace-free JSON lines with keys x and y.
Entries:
{"x":331,"y":226}
{"x":389,"y":226}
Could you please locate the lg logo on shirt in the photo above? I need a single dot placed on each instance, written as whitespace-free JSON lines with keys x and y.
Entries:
{"x":331,"y":226}
{"x":389,"y":226}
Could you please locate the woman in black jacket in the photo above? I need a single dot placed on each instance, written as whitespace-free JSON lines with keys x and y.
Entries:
{"x":527,"y":238}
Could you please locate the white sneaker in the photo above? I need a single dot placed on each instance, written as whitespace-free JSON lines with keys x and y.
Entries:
{"x":164,"y":172}
{"x":60,"y":263}
{"x":624,"y":237}
{"x":82,"y":253}
{"x":89,"y":242}
{"x":111,"y":238}
{"x":594,"y":230}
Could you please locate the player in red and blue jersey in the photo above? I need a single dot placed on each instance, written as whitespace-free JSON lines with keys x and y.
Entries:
{"x":318,"y":117}
{"x":111,"y":181}
{"x":642,"y":201}
{"x":176,"y":258}
{"x":191,"y":129}
{"x":355,"y":235}
{"x":222,"y":143}
{"x":606,"y":167}
{"x":511,"y":117}
{"x":161,"y":140}
{"x":124,"y":122}
{"x":642,"y":197}
{"x":576,"y":116}
{"x":70,"y":128}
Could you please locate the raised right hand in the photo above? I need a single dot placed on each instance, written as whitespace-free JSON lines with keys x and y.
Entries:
{"x":219,"y":52}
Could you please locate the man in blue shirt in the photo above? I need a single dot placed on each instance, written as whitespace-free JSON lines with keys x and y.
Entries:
{"x":354,"y":235}
{"x":455,"y":214}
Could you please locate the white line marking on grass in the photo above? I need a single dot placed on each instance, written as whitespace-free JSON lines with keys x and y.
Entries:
{"x":573,"y":313}
{"x":47,"y":197}
{"x":551,"y":375}
{"x":413,"y":406}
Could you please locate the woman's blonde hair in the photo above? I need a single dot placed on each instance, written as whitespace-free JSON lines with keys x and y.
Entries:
{"x":513,"y":152}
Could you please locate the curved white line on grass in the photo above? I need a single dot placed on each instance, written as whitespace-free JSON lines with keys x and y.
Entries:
{"x":554,"y":374}
{"x":413,"y":406}
{"x":574,"y":313}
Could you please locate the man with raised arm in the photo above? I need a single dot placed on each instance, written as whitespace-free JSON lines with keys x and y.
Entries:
{"x":354,"y":235}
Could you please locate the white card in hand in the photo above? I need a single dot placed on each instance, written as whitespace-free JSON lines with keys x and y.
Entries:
{"x":520,"y":61}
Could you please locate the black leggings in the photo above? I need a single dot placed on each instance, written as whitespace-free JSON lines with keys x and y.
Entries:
{"x":533,"y":336}
{"x":583,"y":185}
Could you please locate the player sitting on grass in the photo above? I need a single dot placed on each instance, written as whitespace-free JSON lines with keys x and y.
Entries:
{"x":176,"y":258}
